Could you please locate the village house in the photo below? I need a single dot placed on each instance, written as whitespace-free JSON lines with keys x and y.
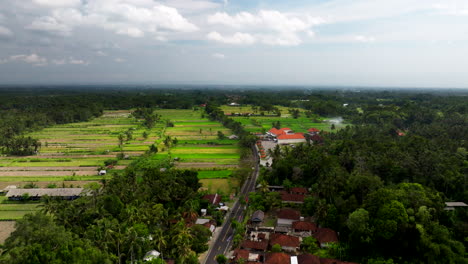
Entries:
{"x":285,"y":139}
{"x":292,"y":198}
{"x":257,"y":217}
{"x":213,"y":199}
{"x":261,"y":246}
{"x":325,"y":236}
{"x":247,"y":256}
{"x":277,"y":258}
{"x":304,"y":228}
{"x":287,"y":216}
{"x":313,"y":131}
{"x":308,"y":259}
{"x":287,"y":243}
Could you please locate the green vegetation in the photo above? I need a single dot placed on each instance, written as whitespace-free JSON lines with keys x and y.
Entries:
{"x":380,"y":181}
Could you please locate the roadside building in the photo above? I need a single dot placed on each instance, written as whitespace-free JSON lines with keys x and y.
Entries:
{"x":254,"y":245}
{"x":213,"y":199}
{"x":257,"y":217}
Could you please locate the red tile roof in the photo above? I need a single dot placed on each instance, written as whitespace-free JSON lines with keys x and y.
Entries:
{"x":299,"y":190}
{"x":212,"y":198}
{"x":278,"y":258}
{"x":291,"y":136}
{"x":329,"y":261}
{"x":308,"y":259}
{"x":313,"y":129}
{"x":304,"y":226}
{"x":257,"y":245}
{"x":316,"y":138}
{"x":289,"y":197}
{"x":287,"y":213}
{"x":284,"y":240}
{"x":326,"y":235}
{"x":241,"y":254}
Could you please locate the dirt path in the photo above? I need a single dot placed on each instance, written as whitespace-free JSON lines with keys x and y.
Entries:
{"x":6,"y":227}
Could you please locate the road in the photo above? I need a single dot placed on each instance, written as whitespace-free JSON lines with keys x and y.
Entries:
{"x":224,"y":240}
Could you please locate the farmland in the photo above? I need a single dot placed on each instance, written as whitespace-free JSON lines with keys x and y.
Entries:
{"x":198,"y":145}
{"x":260,"y":124}
{"x":71,"y":154}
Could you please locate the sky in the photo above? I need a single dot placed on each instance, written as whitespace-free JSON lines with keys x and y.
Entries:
{"x":401,"y":43}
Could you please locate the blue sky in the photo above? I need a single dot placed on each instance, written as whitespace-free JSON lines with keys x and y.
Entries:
{"x":414,"y":43}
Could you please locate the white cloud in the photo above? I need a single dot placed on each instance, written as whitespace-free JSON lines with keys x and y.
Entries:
{"x":101,"y":53}
{"x":51,"y":25}
{"x":191,"y":6}
{"x":58,"y":3}
{"x":33,"y":59}
{"x":268,"y":26}
{"x":238,"y":38}
{"x":59,"y":62}
{"x":218,"y":55}
{"x":119,"y":60}
{"x":5,"y":32}
{"x":365,"y":39}
{"x":77,"y":61}
{"x":131,"y":32}
{"x":133,"y":18}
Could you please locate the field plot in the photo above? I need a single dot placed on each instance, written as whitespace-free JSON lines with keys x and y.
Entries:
{"x":6,"y":227}
{"x":14,"y":211}
{"x":198,"y":143}
{"x":264,"y":123}
{"x":72,"y":153}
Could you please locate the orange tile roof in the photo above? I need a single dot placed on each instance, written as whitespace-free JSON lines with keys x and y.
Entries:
{"x":291,"y":136}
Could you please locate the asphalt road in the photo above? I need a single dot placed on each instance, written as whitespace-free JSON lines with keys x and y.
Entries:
{"x":224,"y":240}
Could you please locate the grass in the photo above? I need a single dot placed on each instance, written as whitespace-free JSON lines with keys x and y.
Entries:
{"x":222,"y":186}
{"x":214,"y":174}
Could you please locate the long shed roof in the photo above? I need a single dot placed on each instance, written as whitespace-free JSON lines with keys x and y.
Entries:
{"x":57,"y":192}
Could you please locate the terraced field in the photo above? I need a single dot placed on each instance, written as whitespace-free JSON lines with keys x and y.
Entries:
{"x":72,"y":153}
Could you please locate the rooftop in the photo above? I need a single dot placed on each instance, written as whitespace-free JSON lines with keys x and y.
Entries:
{"x":326,"y":235}
{"x":278,"y":258}
{"x":284,"y":240}
{"x":287,"y":213}
{"x":304,"y":226}
{"x":53,"y":192}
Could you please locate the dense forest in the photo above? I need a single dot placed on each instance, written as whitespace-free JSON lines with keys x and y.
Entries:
{"x":381,"y":182}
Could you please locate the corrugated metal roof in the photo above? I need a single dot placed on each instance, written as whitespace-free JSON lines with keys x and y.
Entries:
{"x":60,"y":192}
